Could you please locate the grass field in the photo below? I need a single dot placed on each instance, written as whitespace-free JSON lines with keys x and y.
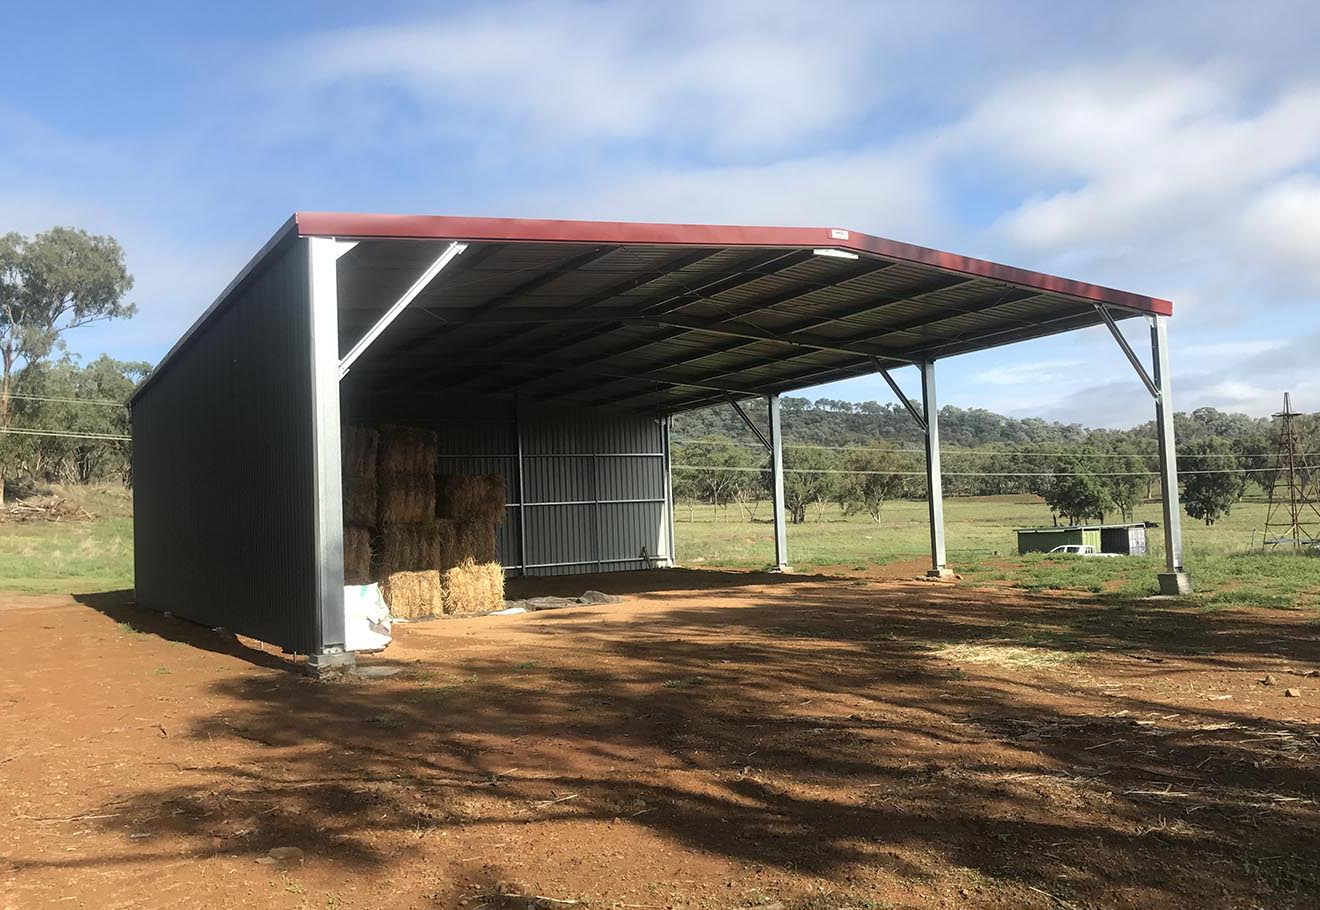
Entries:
{"x":982,"y":548}
{"x":82,"y":556}
{"x":52,"y":557}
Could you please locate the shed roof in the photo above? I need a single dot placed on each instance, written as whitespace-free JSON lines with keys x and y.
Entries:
{"x":1051,"y":529}
{"x":669,"y":317}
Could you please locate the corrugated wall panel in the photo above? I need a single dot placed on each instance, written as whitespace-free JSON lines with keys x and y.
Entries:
{"x":608,"y":470}
{"x":594,"y":480}
{"x":223,"y":511}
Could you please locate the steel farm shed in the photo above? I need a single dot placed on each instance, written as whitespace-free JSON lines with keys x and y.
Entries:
{"x":553,"y":352}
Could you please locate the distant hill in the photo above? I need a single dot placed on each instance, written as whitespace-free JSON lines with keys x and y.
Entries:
{"x":831,"y":422}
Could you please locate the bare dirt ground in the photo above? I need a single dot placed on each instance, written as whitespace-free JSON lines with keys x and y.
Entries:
{"x":716,"y":741}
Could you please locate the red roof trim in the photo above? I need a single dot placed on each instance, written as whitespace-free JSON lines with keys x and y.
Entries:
{"x":443,"y":227}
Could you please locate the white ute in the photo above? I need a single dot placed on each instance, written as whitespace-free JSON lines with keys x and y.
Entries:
{"x":1080,"y":549}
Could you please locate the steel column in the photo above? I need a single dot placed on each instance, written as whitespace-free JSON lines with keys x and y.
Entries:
{"x":322,"y":254}
{"x":930,"y":411}
{"x":1174,"y":580}
{"x":668,"y":529}
{"x":522,"y":490}
{"x":777,"y":484}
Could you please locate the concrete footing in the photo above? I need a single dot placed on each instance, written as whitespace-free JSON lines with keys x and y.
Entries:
{"x":330,"y":663}
{"x":781,"y":570}
{"x":1175,"y":584}
{"x":944,"y":573}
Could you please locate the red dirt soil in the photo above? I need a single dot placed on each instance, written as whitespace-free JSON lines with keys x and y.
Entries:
{"x":718,"y":740}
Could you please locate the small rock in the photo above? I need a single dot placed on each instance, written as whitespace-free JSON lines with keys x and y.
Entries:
{"x":1268,"y":680}
{"x":1292,"y":693}
{"x":377,"y":671}
{"x":286,"y":854}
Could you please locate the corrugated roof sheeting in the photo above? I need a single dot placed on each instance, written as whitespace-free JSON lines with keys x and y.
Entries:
{"x":659,"y":329}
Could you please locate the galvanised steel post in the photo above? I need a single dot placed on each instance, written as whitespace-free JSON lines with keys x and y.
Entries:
{"x":1175,"y":579}
{"x":666,"y":431}
{"x":322,"y":254}
{"x":777,"y":485}
{"x":934,"y":482}
{"x":522,"y":489}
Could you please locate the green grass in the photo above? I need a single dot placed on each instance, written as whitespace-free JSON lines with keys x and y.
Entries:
{"x":49,"y":557}
{"x":86,"y":556}
{"x":983,"y":549}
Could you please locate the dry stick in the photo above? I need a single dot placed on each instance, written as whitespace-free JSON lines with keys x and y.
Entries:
{"x":551,"y":802}
{"x":68,"y":818}
{"x":1054,"y":897}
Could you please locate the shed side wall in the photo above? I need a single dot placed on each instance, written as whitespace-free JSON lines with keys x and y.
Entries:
{"x":222,"y":464}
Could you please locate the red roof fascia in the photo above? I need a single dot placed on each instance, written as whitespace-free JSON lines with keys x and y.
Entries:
{"x":531,"y":230}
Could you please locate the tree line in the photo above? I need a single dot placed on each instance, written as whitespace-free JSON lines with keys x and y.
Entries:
{"x":56,"y":413}
{"x":1081,"y":475}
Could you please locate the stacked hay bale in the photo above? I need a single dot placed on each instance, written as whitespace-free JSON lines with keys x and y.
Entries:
{"x":405,"y":517}
{"x":469,"y":509}
{"x":358,"y":453}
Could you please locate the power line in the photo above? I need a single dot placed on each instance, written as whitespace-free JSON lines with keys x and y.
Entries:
{"x":54,"y":398}
{"x":63,"y":434}
{"x":1181,"y":473}
{"x":956,"y":451}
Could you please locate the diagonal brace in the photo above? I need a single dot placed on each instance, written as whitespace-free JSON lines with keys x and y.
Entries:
{"x":916,"y":415}
{"x":1137,"y":365}
{"x":748,"y":420}
{"x":399,"y":306}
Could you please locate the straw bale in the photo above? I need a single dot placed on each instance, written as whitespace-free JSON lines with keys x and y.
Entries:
{"x":460,"y":540}
{"x":358,"y":464}
{"x":357,"y":556}
{"x":408,"y":547}
{"x":473,"y":587}
{"x":411,"y":595}
{"x":471,"y":497}
{"x":406,"y":450}
{"x":405,"y":499}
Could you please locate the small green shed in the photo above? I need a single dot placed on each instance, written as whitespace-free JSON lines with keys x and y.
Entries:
{"x":1127,"y":539}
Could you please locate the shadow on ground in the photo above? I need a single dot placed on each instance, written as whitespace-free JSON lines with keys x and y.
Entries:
{"x":805,"y":727}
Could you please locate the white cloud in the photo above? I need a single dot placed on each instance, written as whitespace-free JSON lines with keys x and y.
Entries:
{"x":1032,"y":372}
{"x":832,"y":190}
{"x":735,"y":77}
{"x":1221,"y":351}
{"x":1283,"y":223}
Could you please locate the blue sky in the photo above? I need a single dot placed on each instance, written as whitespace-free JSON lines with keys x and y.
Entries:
{"x":1167,"y":148}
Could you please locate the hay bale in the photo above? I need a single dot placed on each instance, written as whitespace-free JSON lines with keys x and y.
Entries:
{"x":357,"y":556}
{"x":409,"y":581}
{"x":473,"y":587}
{"x":471,"y":497}
{"x":412,"y":595}
{"x":405,"y":499}
{"x":460,"y":540}
{"x":359,"y":447}
{"x":408,"y":547}
{"x":406,"y":450}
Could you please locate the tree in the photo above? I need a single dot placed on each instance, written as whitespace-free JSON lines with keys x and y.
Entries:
{"x":808,"y":479}
{"x":1213,"y":479}
{"x":1125,"y":481}
{"x":878,"y":475}
{"x":1077,"y":494}
{"x":56,"y":281}
{"x":720,"y":469}
{"x":79,"y":406}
